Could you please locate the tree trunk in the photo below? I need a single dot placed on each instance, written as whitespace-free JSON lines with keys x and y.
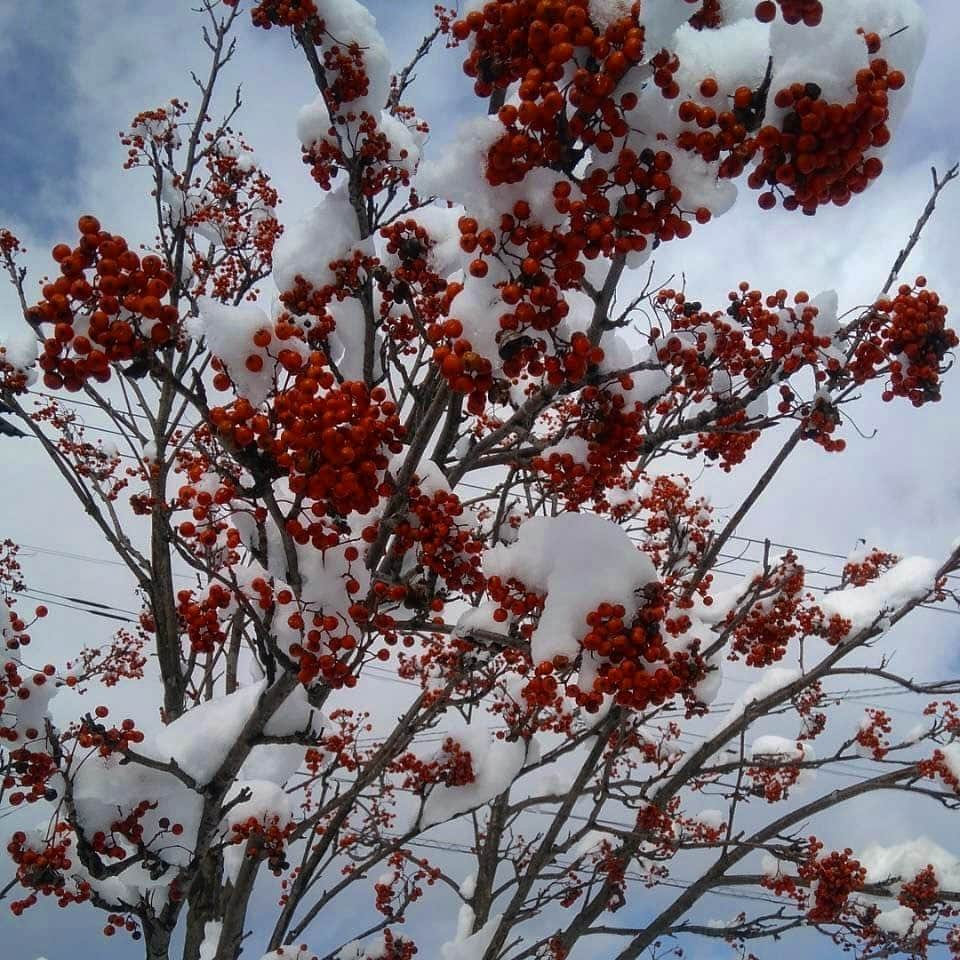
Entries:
{"x":234,"y":901}
{"x":203,"y":903}
{"x":156,"y":938}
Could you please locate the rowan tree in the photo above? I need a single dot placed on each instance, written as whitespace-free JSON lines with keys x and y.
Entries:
{"x":444,"y":431}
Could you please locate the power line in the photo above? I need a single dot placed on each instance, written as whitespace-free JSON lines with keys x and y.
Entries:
{"x":866,"y":697}
{"x":75,"y":402}
{"x":750,"y":540}
{"x":85,"y":558}
{"x":858,"y":695}
{"x":733,"y":573}
{"x":68,"y":606}
{"x":80,"y":600}
{"x":473,"y":486}
{"x":672,"y":882}
{"x":485,"y":489}
{"x":820,"y":589}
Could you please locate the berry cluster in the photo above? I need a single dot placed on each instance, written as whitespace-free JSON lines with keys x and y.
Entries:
{"x":410,"y":243}
{"x":105,"y":843}
{"x":451,"y":766}
{"x":445,"y":544}
{"x":280,"y":13}
{"x":330,"y":438}
{"x":757,"y":336}
{"x":557,"y":122}
{"x":938,"y":767}
{"x":650,"y":207}
{"x":947,"y":713}
{"x":530,"y":42}
{"x":347,"y":76}
{"x":268,"y":349}
{"x":232,"y":206}
{"x":906,"y":337}
{"x":309,"y":306}
{"x":455,"y":765}
{"x":334,"y":442}
{"x":730,"y":442}
{"x":14,"y":634}
{"x":117,"y":921}
{"x":809,"y":12}
{"x":696,"y":338}
{"x":920,"y":894}
{"x":514,"y":601}
{"x":781,"y":613}
{"x":769,"y":338}
{"x":44,"y":870}
{"x":952,"y":941}
{"x":9,"y":244}
{"x":866,"y":569}
{"x":151,"y":130}
{"x":543,"y":689}
{"x":200,"y":620}
{"x":542,"y":263}
{"x":237,"y":207}
{"x":870,"y":734}
{"x":384,"y":166}
{"x":665,"y":64}
{"x":614,"y":432}
{"x":325,"y":643}
{"x":569,"y":363}
{"x":25,"y":692}
{"x":130,"y":827}
{"x":819,"y":421}
{"x":266,"y":840}
{"x":628,"y":652}
{"x":718,"y":133}
{"x":708,"y":17}
{"x":28,"y":776}
{"x":107,"y":740}
{"x":205,"y":526}
{"x":464,"y":369}
{"x":836,"y":876}
{"x":396,"y":947}
{"x":625,"y":654}
{"x":773,"y":783}
{"x":105,"y":307}
{"x":393,"y":891}
{"x":812,"y":721}
{"x":121,"y":658}
{"x":354,"y":141}
{"x":818,"y":154}
{"x":671,"y":510}
{"x":12,"y":376}
{"x":788,"y":330}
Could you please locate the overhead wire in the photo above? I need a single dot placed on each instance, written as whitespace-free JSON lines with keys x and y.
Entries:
{"x":473,"y":486}
{"x":69,"y":606}
{"x":81,"y":600}
{"x":675,"y":883}
{"x":77,"y":402}
{"x":116,"y":613}
{"x":488,"y":489}
{"x":84,"y":605}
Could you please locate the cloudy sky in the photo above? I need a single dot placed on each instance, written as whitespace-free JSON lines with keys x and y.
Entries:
{"x":73,"y":73}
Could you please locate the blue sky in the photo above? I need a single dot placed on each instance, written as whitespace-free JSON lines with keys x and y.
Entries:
{"x":73,"y":72}
{"x":39,"y":156}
